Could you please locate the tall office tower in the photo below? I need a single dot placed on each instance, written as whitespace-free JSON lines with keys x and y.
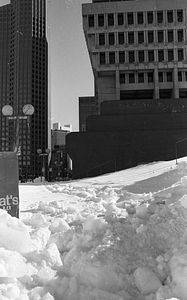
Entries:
{"x":4,"y":72}
{"x":24,"y":80}
{"x":138,"y":49}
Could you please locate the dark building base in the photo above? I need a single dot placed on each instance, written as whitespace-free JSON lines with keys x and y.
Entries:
{"x":131,"y":141}
{"x":121,"y":150}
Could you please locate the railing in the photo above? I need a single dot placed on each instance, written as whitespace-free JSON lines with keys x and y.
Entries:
{"x":176,"y":144}
{"x":100,"y":166}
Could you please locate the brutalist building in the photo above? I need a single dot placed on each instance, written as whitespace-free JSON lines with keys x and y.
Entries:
{"x":138,"y":55}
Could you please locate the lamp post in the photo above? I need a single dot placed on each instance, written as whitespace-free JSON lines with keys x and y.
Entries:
{"x":8,"y":111}
{"x":43,"y":155}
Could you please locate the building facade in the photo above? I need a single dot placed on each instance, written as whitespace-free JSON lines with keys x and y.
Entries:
{"x":138,"y":49}
{"x":4,"y":74}
{"x":138,"y":53}
{"x":87,"y":107}
{"x":60,"y":164}
{"x":24,"y":60}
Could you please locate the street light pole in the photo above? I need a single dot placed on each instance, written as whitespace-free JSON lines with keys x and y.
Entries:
{"x":43,"y":155}
{"x":7,"y":111}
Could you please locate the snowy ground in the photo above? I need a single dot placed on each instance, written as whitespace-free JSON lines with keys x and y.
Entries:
{"x":121,"y":236}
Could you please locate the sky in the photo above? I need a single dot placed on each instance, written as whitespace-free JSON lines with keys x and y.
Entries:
{"x":70,"y":69}
{"x":71,"y":73}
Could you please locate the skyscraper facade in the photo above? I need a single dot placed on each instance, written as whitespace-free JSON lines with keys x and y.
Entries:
{"x":24,"y":80}
{"x":138,"y":49}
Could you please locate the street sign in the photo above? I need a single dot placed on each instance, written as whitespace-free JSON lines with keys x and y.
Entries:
{"x":9,"y":178}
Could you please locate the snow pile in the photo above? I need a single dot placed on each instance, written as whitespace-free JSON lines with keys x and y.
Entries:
{"x":99,"y":242}
{"x":14,"y":234}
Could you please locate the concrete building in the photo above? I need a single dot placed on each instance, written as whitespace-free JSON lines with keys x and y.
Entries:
{"x":138,"y":53}
{"x":87,"y":107}
{"x":138,"y":49}
{"x":60,"y":164}
{"x":24,"y":80}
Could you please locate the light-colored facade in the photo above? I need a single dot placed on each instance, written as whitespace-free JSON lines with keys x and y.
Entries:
{"x":138,"y":49}
{"x":58,"y":135}
{"x":60,"y":164}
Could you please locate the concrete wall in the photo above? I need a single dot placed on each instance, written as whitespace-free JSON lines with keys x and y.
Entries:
{"x":139,"y":131}
{"x":89,"y":150}
{"x":107,"y":87}
{"x":135,"y":122}
{"x":143,"y":107}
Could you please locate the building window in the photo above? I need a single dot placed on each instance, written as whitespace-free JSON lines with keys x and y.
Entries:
{"x":169,"y":76}
{"x":121,"y":39}
{"x":91,"y":20}
{"x":101,"y":39}
{"x":182,"y":94}
{"x":122,"y":78}
{"x":121,"y":57}
{"x":110,"y":19}
{"x":111,"y":38}
{"x":160,"y":17}
{"x":179,"y":76}
{"x":131,"y":37}
{"x":170,"y":55}
{"x":151,"y":55}
{"x":180,"y":35}
{"x":131,"y":78}
{"x":150,"y":37}
{"x":179,"y":16}
{"x":141,"y":56}
{"x":140,"y":18}
{"x":149,"y":17}
{"x":161,"y":55}
{"x":102,"y":58}
{"x":160,"y":76}
{"x":180,"y":55}
{"x":170,"y":36}
{"x":101,"y":20}
{"x":160,"y":36}
{"x":185,"y":76}
{"x":120,"y":19}
{"x":170,"y":16}
{"x":130,"y":18}
{"x":131,"y":57}
{"x":140,"y":77}
{"x":150,"y":77}
{"x":140,"y":37}
{"x":111,"y":57}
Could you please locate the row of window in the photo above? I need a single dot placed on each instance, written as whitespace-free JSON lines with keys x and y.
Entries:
{"x":140,"y":37}
{"x":141,"y":77}
{"x":148,"y":77}
{"x":135,"y":18}
{"x":141,"y":56}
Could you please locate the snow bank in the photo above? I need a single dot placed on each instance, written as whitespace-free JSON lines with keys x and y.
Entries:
{"x":99,"y":242}
{"x":14,"y":235}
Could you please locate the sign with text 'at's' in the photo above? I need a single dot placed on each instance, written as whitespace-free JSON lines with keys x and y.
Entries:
{"x":9,"y":178}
